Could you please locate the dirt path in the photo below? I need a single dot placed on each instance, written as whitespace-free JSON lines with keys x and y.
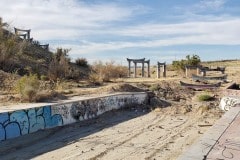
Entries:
{"x":126,"y":134}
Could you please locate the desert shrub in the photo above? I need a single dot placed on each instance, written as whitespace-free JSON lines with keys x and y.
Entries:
{"x":43,"y":78}
{"x":204,"y":109}
{"x":105,"y":72}
{"x":154,"y":87}
{"x":45,"y":96}
{"x":28,"y":87}
{"x":59,"y":66}
{"x":120,"y":71}
{"x":9,"y":48}
{"x":82,"y":62}
{"x":94,"y":78}
{"x":205,"y":97}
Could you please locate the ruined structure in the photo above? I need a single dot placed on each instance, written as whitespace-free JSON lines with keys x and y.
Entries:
{"x":189,"y":68}
{"x":44,"y":46}
{"x":135,"y":61}
{"x":205,"y":69}
{"x":24,"y":34}
{"x":159,"y":65}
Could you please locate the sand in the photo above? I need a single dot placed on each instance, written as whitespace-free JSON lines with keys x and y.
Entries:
{"x":135,"y":133}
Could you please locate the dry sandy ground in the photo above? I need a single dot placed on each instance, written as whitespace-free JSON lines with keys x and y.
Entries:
{"x":125,"y":134}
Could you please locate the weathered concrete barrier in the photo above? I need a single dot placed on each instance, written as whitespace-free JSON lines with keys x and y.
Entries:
{"x":24,"y":121}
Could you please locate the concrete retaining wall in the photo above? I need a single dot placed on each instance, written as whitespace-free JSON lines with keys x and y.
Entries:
{"x":25,"y":121}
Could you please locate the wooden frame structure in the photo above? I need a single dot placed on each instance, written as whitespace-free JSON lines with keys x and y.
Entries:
{"x":189,"y":67}
{"x":135,"y":61}
{"x":44,"y":46}
{"x":159,"y":65}
{"x":23,"y":33}
{"x":203,"y":70}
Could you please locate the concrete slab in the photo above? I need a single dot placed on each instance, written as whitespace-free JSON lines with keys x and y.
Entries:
{"x":228,"y":145}
{"x":221,"y":141}
{"x":20,"y":106}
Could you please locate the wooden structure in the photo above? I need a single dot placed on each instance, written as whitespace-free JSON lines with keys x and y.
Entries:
{"x":159,"y":65}
{"x":222,"y":77}
{"x":44,"y":46}
{"x":24,"y":34}
{"x":135,"y":62}
{"x":189,"y":67}
{"x":200,"y":86}
{"x":205,"y":69}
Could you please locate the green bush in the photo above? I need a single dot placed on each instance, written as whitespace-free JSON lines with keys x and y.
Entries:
{"x":190,"y":60}
{"x":205,"y":97}
{"x":28,"y":87}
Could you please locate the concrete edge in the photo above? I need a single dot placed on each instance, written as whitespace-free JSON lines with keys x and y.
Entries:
{"x":202,"y":146}
{"x":21,"y":106}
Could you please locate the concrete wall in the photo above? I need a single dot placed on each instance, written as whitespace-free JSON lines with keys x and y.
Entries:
{"x":25,"y":121}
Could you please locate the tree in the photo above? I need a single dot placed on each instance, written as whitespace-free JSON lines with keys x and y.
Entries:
{"x":193,"y":60}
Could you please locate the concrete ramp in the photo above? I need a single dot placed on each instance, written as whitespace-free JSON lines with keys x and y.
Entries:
{"x":221,"y":142}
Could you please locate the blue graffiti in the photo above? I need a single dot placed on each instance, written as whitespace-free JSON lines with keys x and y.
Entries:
{"x":36,"y":120}
{"x":8,"y":129}
{"x":12,"y":130}
{"x":27,"y":121}
{"x":22,"y":119}
{"x":51,"y":121}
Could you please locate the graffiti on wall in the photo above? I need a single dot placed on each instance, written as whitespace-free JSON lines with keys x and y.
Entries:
{"x":14,"y":124}
{"x":84,"y":110}
{"x":21,"y":122}
{"x":88,"y":109}
{"x":227,"y":103}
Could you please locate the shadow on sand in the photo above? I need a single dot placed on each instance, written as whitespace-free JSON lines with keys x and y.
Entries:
{"x":32,"y":145}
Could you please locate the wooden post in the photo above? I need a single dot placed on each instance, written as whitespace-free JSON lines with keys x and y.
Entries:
{"x":164,"y":70}
{"x":129,"y":68}
{"x":148,"y":69}
{"x":186,"y":71}
{"x":135,"y":69}
{"x":142,"y":69}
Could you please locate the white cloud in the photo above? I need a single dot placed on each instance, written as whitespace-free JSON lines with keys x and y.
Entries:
{"x":223,"y":28}
{"x":202,"y":10}
{"x":61,"y":18}
{"x":203,"y":33}
{"x":67,"y":22}
{"x":210,"y":4}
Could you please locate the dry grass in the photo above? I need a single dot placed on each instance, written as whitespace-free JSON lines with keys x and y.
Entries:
{"x":106,"y":72}
{"x":28,"y":87}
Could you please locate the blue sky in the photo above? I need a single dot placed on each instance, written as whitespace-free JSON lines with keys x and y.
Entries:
{"x":159,"y":30}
